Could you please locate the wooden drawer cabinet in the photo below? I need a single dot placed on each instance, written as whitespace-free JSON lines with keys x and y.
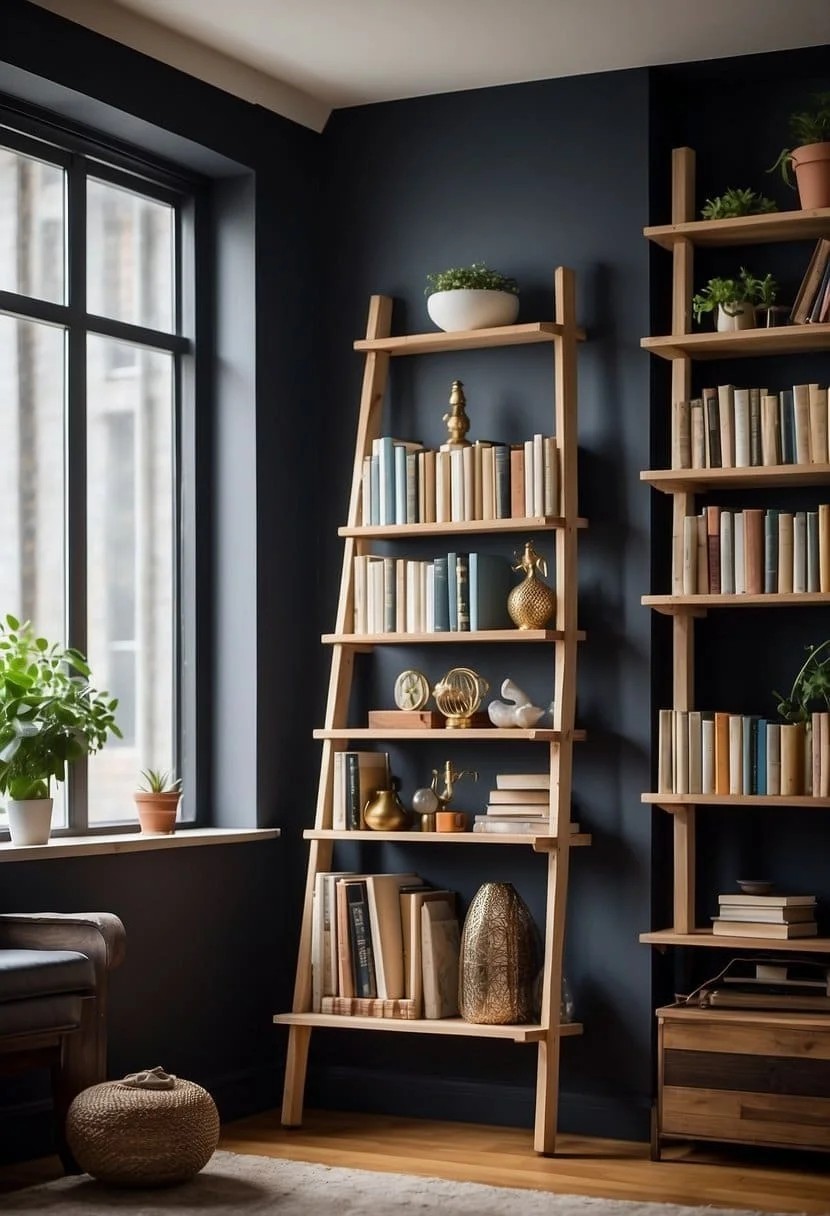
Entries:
{"x":749,"y":1078}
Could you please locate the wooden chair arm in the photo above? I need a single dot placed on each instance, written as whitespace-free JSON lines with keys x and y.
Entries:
{"x":99,"y":935}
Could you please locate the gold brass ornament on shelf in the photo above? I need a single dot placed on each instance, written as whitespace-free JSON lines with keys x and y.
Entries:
{"x":458,"y":424}
{"x":411,"y":689}
{"x":499,"y":959}
{"x":459,"y":694}
{"x":449,"y":776}
{"x":532,"y":603}
{"x":384,"y":811}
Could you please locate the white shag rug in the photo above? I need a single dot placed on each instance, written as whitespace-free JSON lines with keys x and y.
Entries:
{"x":234,"y":1184}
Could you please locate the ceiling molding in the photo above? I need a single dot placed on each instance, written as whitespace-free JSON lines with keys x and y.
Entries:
{"x":195,"y":58}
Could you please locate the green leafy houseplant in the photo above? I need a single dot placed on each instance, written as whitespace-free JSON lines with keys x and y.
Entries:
{"x":157,"y":781}
{"x":50,"y":715}
{"x":810,"y":686}
{"x":735,"y":202}
{"x":806,"y":127}
{"x":732,"y":294}
{"x":475,"y":278}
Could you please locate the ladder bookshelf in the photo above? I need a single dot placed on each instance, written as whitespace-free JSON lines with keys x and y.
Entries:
{"x":555,"y":840}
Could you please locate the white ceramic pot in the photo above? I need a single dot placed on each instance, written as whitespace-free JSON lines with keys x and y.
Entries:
{"x":744,"y":318}
{"x":30,"y":820}
{"x":466,"y":308}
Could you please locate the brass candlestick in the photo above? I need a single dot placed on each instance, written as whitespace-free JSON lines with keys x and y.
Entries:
{"x":457,"y":421}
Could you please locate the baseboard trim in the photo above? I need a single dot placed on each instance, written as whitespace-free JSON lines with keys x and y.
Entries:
{"x":616,"y":1117}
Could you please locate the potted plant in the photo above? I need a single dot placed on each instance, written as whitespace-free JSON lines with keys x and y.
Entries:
{"x":471,"y":297}
{"x":735,"y":202}
{"x":810,"y":157}
{"x":811,"y":686}
{"x":157,"y":802}
{"x":734,"y":300}
{"x":50,"y":716}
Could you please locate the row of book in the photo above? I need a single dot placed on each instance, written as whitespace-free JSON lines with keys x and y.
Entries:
{"x":737,"y":428}
{"x":456,"y":592}
{"x":752,"y":552}
{"x":773,"y":916}
{"x":402,"y":482}
{"x":383,"y":945}
{"x":356,"y":776}
{"x":701,"y":752}
{"x":812,"y":300}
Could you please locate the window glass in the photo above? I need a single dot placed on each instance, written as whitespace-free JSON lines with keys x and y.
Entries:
{"x":130,"y":253}
{"x":32,"y":213}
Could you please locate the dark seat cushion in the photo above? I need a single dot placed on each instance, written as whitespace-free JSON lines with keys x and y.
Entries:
{"x":25,"y":974}
{"x":42,"y":1014}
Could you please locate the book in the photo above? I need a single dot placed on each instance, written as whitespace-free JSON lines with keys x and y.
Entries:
{"x":363,"y":773}
{"x":805,"y":296}
{"x":523,"y":781}
{"x":507,"y":796}
{"x":490,"y":583}
{"x":384,"y":909}
{"x":517,"y":481}
{"x":411,"y":902}
{"x":535,"y":826}
{"x":518,"y":810}
{"x":729,"y":928}
{"x":774,"y":915}
{"x":360,"y":939}
{"x":766,"y":901}
{"x":369,"y":1007}
{"x":440,"y":945}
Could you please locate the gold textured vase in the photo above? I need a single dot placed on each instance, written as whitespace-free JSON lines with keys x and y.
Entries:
{"x":499,"y":960}
{"x":532,"y":603}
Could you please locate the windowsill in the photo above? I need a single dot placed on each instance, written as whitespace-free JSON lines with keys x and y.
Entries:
{"x":131,"y":842}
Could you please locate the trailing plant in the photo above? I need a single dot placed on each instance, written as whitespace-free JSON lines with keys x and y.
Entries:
{"x":806,"y":127}
{"x":157,"y":781}
{"x":735,"y":202}
{"x":50,"y":715}
{"x":731,"y":294}
{"x":811,"y":685}
{"x":477,"y":277}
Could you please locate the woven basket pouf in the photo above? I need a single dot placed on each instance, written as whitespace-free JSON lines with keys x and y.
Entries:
{"x":151,"y":1129}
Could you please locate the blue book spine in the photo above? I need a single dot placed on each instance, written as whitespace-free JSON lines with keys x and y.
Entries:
{"x":501,"y":459}
{"x":441,"y":603}
{"x":490,"y":585}
{"x":452,"y":600}
{"x":787,"y":421}
{"x":760,"y":786}
{"x":399,"y":457}
{"x":771,"y":551}
{"x":374,"y":490}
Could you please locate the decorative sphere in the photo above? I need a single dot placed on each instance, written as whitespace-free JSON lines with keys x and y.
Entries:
{"x":425,"y":801}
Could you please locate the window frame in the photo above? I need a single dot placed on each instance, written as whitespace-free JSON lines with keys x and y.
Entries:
{"x":81,"y":155}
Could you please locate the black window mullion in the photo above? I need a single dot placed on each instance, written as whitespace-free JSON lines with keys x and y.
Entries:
{"x":76,"y":448}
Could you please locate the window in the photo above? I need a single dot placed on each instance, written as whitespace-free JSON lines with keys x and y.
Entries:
{"x":92,"y":349}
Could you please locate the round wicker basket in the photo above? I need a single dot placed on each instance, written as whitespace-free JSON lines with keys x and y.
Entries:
{"x":139,"y":1137}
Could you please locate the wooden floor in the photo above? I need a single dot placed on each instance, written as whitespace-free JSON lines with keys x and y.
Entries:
{"x":770,"y":1182}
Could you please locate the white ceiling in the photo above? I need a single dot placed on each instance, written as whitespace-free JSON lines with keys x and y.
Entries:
{"x":314,"y":55}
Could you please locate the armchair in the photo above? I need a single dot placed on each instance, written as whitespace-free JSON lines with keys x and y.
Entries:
{"x":54,"y":971}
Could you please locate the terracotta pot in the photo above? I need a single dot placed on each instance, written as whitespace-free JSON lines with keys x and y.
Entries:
{"x":157,"y":812}
{"x":811,"y":164}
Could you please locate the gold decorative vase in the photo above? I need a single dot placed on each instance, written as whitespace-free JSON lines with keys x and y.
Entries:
{"x":384,"y":812}
{"x":532,"y":603}
{"x":499,"y":960}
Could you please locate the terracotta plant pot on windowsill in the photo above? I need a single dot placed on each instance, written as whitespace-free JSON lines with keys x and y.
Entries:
{"x":157,"y":812}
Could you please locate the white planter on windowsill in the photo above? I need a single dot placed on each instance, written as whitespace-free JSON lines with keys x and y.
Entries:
{"x":30,"y":820}
{"x":470,"y":308}
{"x":740,"y":316}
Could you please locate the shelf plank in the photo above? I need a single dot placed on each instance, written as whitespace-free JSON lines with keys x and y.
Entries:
{"x":745,"y":229}
{"x":467,"y":339}
{"x":532,"y":523}
{"x":541,"y":842}
{"x":705,"y":937}
{"x":480,"y":635}
{"x":784,"y":340}
{"x":700,"y":481}
{"x":761,"y":800}
{"x":529,"y":1033}
{"x":415,"y":734}
{"x":678,"y":604}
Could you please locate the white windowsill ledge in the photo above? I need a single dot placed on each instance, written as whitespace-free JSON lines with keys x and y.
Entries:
{"x":132,"y":842}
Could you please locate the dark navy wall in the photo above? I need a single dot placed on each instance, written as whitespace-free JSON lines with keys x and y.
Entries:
{"x":526,"y":178}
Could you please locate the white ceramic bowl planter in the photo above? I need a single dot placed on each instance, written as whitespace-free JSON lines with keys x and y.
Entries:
{"x":471,"y":308}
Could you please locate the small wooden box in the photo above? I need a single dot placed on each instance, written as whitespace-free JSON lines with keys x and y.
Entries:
{"x":403,"y":719}
{"x":747,"y":1077}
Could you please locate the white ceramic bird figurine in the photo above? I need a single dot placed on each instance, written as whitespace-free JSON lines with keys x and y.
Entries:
{"x":515,"y":709}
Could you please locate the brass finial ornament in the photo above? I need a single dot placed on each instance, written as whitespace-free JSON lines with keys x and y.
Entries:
{"x":459,"y":694}
{"x":458,"y":424}
{"x":532,"y":603}
{"x":448,"y":776}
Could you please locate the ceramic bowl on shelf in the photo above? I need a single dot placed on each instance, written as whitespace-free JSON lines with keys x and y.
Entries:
{"x":755,"y":886}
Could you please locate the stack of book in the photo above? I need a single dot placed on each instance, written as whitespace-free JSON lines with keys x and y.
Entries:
{"x":520,"y":804}
{"x":383,"y":945}
{"x":456,"y":592}
{"x":739,"y":428}
{"x":402,"y":482}
{"x":357,"y":775}
{"x":705,"y":752}
{"x":774,"y":916}
{"x":752,"y":552}
{"x":792,"y":986}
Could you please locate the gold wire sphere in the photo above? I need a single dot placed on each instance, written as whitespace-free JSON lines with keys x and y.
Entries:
{"x":459,"y":694}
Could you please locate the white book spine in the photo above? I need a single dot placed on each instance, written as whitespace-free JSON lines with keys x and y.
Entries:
{"x":690,"y":555}
{"x":468,"y":474}
{"x":695,"y":752}
{"x":551,"y":471}
{"x":742,"y":460}
{"x":457,"y":485}
{"x":538,"y":475}
{"x":726,"y":407}
{"x":800,"y":551}
{"x":727,"y":554}
{"x":681,"y":746}
{"x":528,"y":478}
{"x":736,"y":785}
{"x":707,"y":767}
{"x":665,"y":749}
{"x":738,"y":542}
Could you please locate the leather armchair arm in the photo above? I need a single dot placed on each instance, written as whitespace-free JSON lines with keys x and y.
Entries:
{"x":99,"y":935}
